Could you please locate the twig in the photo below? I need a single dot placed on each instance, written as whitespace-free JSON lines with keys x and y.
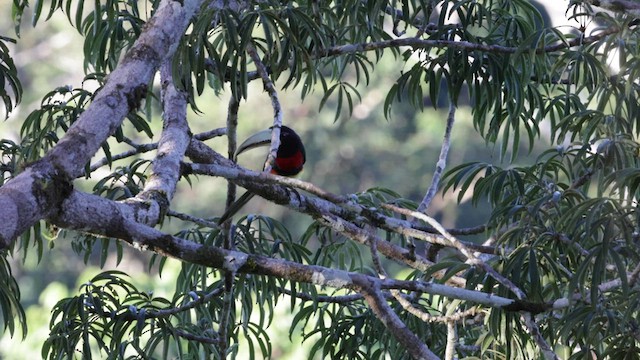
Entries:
{"x":417,"y":43}
{"x":418,"y":22}
{"x":229,"y":231}
{"x":199,"y":338}
{"x":193,"y":219}
{"x":442,"y":161}
{"x":188,"y":306}
{"x":275,"y":103}
{"x":210,"y":134}
{"x":344,"y":299}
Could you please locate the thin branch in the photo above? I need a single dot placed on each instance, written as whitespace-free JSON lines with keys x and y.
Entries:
{"x":633,"y":277}
{"x":442,"y":161}
{"x":232,"y":126}
{"x":390,"y":250}
{"x":375,"y":258}
{"x":193,"y":219}
{"x":229,"y":232}
{"x":417,"y":43}
{"x":275,"y":103}
{"x":343,"y":299}
{"x":474,"y":230}
{"x":473,"y":259}
{"x":534,"y":331}
{"x":426,"y":317}
{"x":135,"y":151}
{"x":199,"y":338}
{"x":582,"y":179}
{"x":188,"y":306}
{"x":143,"y":148}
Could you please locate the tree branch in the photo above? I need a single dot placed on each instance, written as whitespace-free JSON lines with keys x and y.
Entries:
{"x":417,"y":43}
{"x":174,"y":140}
{"x":229,"y":230}
{"x":442,"y":161}
{"x":618,"y":6}
{"x":94,"y":214}
{"x":37,"y":192}
{"x":275,"y":103}
{"x":143,"y":148}
{"x":474,"y":260}
{"x":391,"y":321}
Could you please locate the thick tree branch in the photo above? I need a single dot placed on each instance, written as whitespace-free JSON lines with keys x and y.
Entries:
{"x":94,"y":214}
{"x":38,"y":191}
{"x":175,"y":138}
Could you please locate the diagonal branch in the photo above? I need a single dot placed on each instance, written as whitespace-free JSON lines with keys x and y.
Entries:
{"x":391,"y":321}
{"x":473,"y":259}
{"x":38,"y":191}
{"x":442,"y":161}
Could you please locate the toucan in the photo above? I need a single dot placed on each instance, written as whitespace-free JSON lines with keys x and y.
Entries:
{"x":290,"y":159}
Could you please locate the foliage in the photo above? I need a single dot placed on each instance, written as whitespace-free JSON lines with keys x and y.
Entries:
{"x":563,"y":227}
{"x":8,"y":78}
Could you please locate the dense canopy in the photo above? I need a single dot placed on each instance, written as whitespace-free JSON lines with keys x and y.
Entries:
{"x":132,"y":154}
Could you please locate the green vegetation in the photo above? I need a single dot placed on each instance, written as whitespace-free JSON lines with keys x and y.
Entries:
{"x":517,"y":135}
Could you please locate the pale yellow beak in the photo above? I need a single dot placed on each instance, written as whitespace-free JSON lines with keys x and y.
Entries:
{"x":262,"y":138}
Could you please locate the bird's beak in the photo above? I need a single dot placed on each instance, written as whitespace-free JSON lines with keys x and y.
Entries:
{"x":262,"y":138}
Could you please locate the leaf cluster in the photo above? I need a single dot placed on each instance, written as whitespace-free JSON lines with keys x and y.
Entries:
{"x":564,"y":226}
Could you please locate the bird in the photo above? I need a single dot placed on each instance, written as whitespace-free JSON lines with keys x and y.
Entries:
{"x":290,"y":159}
